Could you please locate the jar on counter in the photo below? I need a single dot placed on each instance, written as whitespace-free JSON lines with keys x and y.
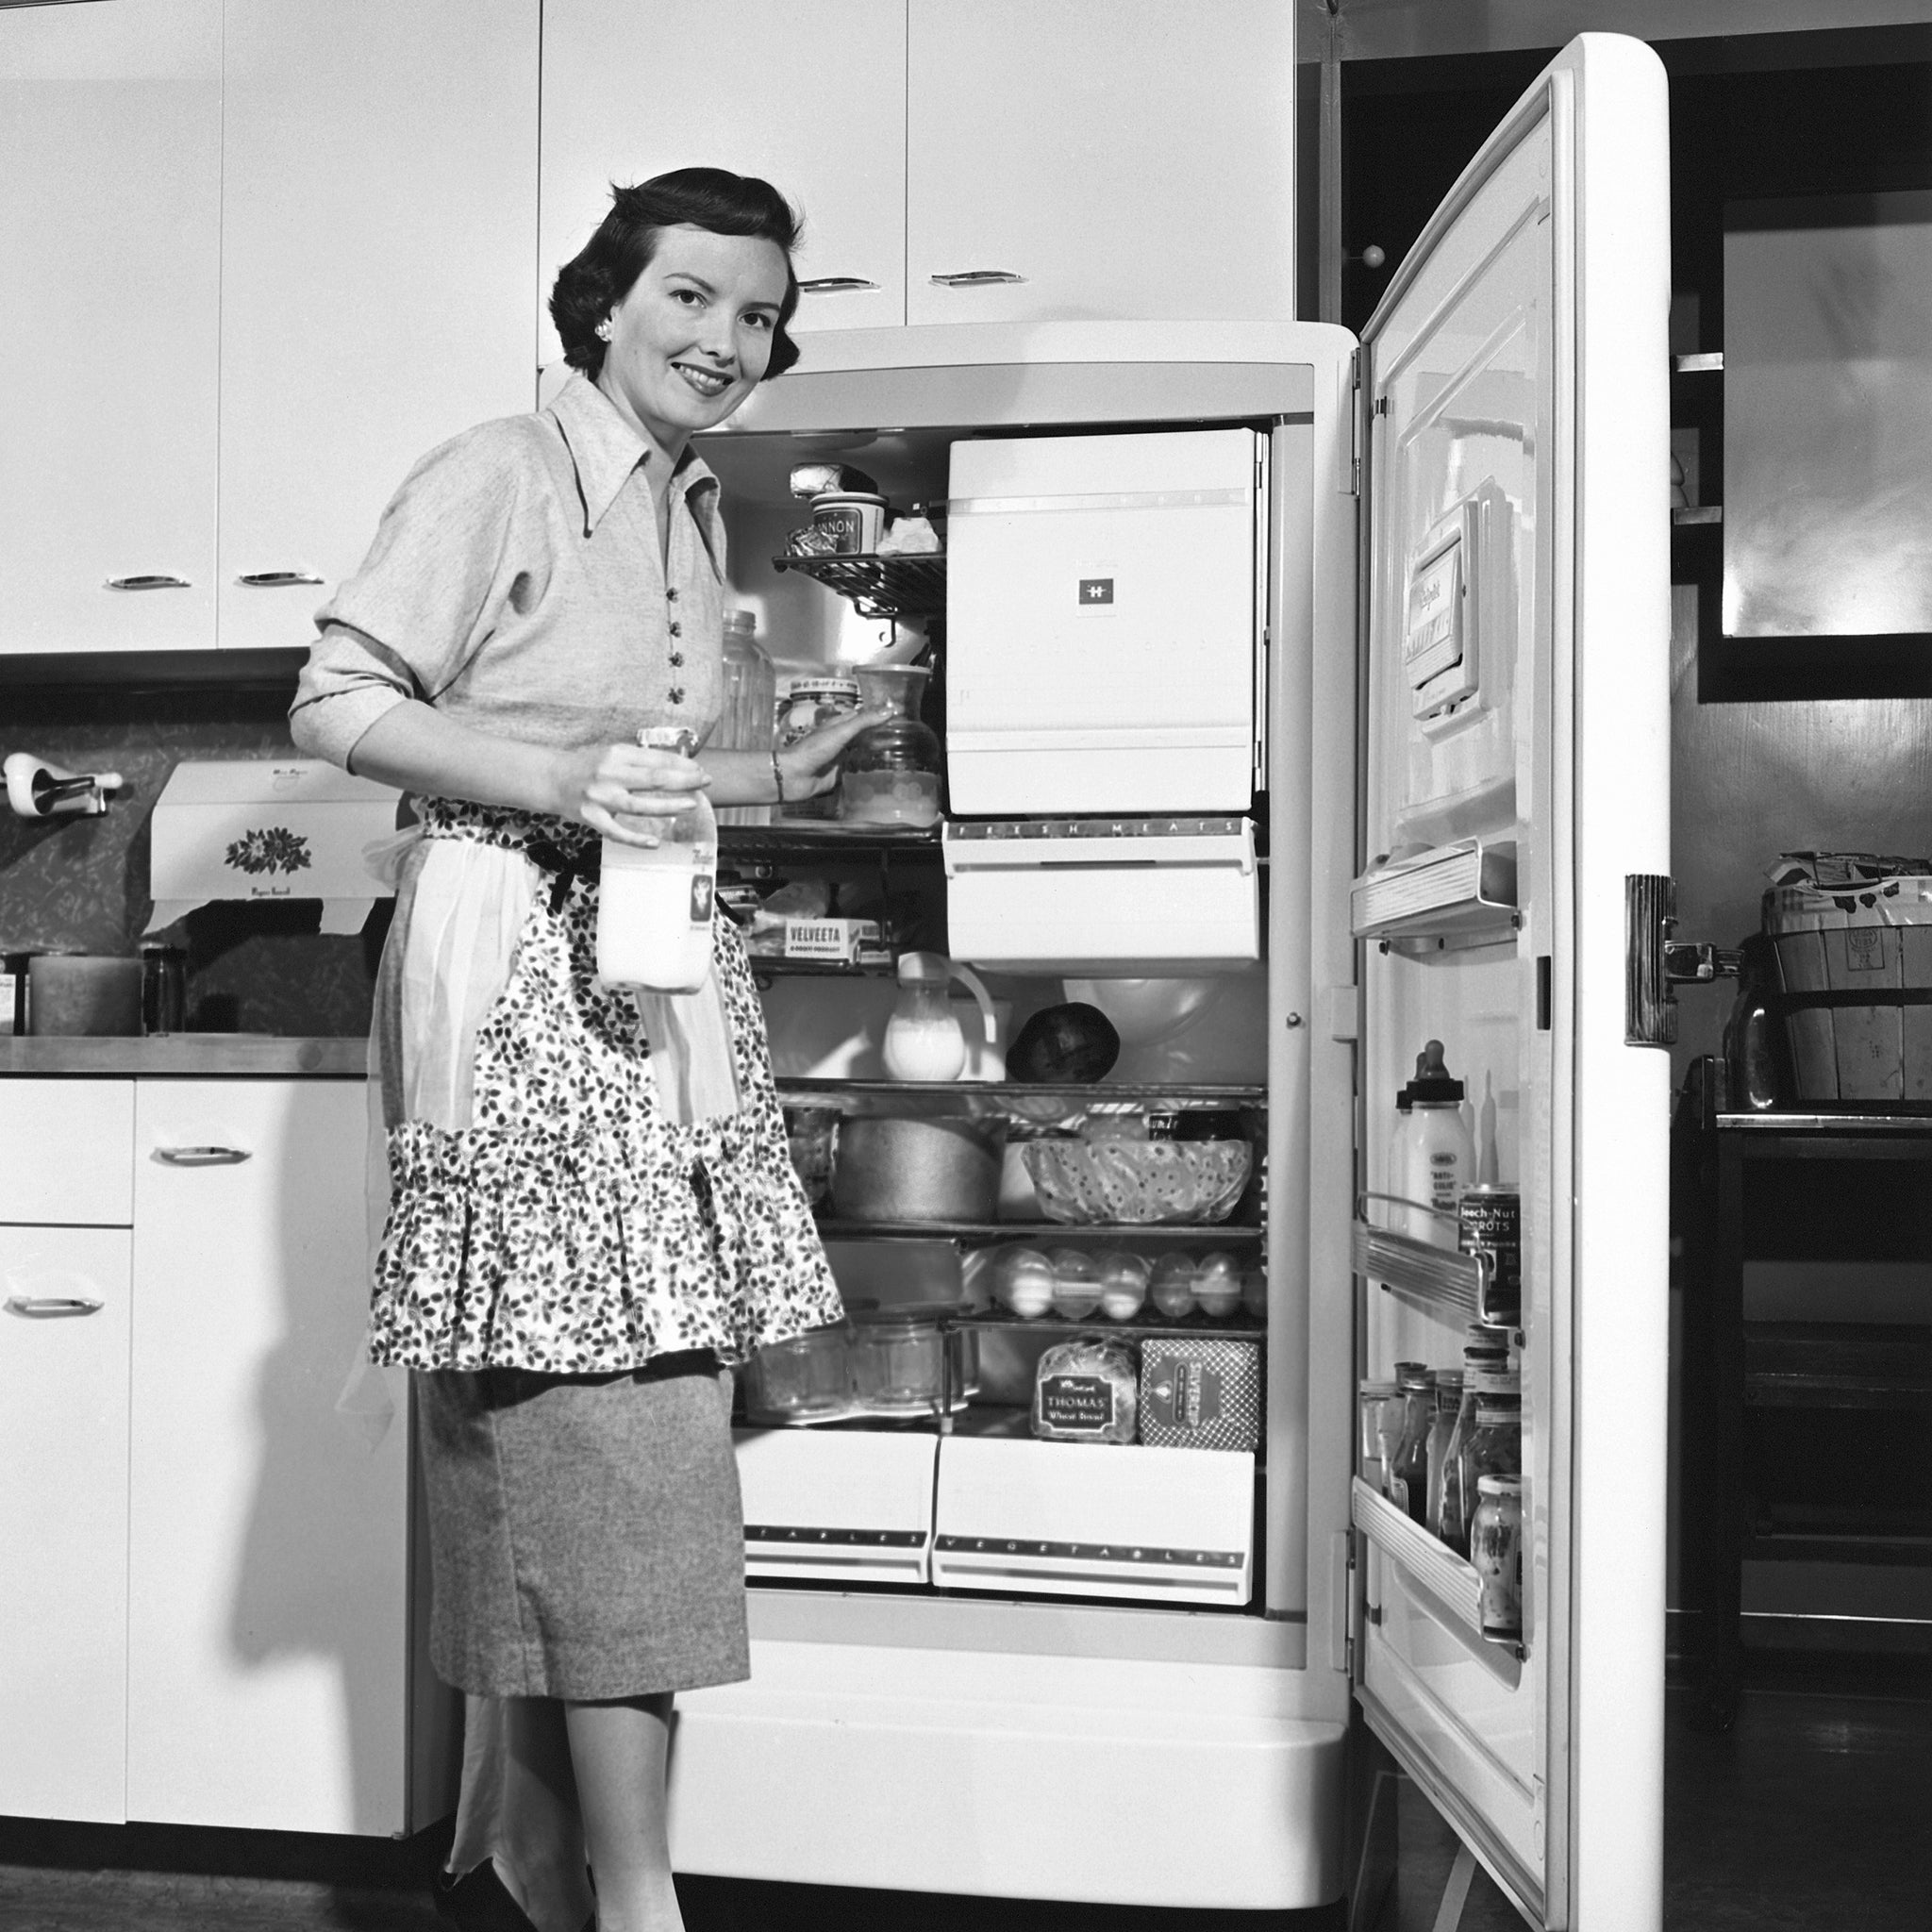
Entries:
{"x":1495,"y":1550}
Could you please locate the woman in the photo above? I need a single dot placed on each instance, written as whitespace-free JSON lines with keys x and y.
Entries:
{"x":592,"y":1207}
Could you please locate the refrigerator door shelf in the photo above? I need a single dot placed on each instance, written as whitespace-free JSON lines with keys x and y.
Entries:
{"x":1148,"y":897}
{"x":1451,"y":1582}
{"x":1061,"y":1519}
{"x":844,"y":1508}
{"x":1458,"y":895}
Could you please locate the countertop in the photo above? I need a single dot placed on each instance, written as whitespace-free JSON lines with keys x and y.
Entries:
{"x":185,"y":1054}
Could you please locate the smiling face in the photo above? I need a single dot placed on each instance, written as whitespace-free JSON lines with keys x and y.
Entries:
{"x":692,"y":337}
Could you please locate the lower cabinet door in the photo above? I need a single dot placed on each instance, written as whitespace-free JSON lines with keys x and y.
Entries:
{"x":268,"y":1621}
{"x":63,"y":1522}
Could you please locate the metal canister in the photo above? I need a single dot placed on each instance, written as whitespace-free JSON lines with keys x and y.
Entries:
{"x":1495,"y":1550}
{"x":1490,"y":1217}
{"x":163,"y":988}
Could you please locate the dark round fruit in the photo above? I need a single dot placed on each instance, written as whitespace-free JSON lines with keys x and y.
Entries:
{"x":1073,"y":1042}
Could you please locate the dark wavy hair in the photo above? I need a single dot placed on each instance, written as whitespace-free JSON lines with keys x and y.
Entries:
{"x":591,"y":285}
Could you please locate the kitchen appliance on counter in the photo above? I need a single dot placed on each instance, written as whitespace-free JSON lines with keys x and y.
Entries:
{"x":269,"y":829}
{"x":1350,"y":658}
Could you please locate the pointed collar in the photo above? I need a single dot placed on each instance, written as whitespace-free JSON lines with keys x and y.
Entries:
{"x":607,"y":452}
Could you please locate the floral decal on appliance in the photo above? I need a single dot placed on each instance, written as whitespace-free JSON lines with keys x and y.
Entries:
{"x":273,"y":849}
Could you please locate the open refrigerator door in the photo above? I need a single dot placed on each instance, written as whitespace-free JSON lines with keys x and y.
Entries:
{"x":1513,"y":788}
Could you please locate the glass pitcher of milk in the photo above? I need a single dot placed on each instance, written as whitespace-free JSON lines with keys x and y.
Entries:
{"x":923,"y":1040}
{"x":655,"y":902}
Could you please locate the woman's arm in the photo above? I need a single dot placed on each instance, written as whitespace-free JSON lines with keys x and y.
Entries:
{"x":417,"y":748}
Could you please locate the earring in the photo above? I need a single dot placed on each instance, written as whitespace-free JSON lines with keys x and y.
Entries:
{"x":603,"y":331}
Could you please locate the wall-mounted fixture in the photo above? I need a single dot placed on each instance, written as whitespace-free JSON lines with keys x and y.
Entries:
{"x":36,"y":789}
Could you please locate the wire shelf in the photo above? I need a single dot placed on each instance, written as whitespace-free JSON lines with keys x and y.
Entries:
{"x":909,"y":585}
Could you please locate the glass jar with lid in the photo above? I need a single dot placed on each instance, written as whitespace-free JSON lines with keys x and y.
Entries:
{"x":807,"y":1379}
{"x":891,"y":771}
{"x":1495,"y":1550}
{"x":1409,"y":1478}
{"x":1451,"y":1501}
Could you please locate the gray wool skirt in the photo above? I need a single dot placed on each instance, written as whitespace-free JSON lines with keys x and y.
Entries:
{"x":586,"y":1536}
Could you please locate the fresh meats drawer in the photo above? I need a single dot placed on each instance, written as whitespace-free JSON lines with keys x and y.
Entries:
{"x":67,"y":1152}
{"x":837,"y":1509}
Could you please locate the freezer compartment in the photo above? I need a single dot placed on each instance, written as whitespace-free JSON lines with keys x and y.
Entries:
{"x":1143,"y":897}
{"x":1058,"y":1519}
{"x":1102,"y":622}
{"x":836,"y":1507}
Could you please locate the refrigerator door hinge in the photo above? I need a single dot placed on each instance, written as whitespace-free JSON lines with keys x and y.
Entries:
{"x":1654,"y":961}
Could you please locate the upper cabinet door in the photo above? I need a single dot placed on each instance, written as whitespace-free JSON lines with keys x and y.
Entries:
{"x":811,"y":98}
{"x":110,"y":154}
{"x":380,"y":172}
{"x":1118,"y":159}
{"x":1518,"y":691}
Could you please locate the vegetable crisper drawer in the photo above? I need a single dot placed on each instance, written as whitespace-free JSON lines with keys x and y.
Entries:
{"x":842,"y":1508}
{"x":1102,"y":617}
{"x":1065,"y":1519}
{"x":1145,"y":896}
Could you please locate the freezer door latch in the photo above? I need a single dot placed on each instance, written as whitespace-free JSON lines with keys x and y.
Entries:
{"x":1655,"y":961}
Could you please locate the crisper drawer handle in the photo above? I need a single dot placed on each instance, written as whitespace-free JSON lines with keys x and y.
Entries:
{"x":52,"y":1307}
{"x":835,"y":285}
{"x":976,"y":278}
{"x":276,"y":579}
{"x":149,"y":581}
{"x":201,"y":1156}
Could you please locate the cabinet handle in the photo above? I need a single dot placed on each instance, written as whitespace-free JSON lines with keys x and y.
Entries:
{"x":201,"y":1156}
{"x":275,"y":579}
{"x":834,"y":285}
{"x":149,"y":581}
{"x":976,"y":278}
{"x":51,"y":1307}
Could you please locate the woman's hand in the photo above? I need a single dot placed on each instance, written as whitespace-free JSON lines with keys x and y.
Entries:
{"x":811,"y":765}
{"x":609,"y":787}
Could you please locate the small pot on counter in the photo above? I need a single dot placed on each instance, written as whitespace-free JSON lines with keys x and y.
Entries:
{"x":70,"y":993}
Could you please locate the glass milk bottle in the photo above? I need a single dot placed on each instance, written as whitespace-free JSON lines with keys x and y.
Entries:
{"x":654,"y":902}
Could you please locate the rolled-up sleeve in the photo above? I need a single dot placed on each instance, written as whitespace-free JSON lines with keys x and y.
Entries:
{"x":405,"y":626}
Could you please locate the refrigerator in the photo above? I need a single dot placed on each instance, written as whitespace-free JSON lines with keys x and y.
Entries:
{"x":1430,"y":800}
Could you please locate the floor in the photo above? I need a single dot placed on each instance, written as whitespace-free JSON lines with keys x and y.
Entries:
{"x":1813,"y":1812}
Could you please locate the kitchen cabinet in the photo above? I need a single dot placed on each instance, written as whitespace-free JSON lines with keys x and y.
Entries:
{"x":378,"y":195}
{"x":110,"y":194}
{"x":266,"y":256}
{"x":954,"y":164}
{"x":814,"y":99}
{"x":64,"y":1304}
{"x":1094,"y":158}
{"x":209,"y":1618}
{"x":267,"y":1543}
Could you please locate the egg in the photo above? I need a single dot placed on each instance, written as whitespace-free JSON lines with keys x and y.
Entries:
{"x":1122,"y":1284}
{"x":1076,"y":1283}
{"x":1254,"y":1294}
{"x":1218,"y":1287}
{"x":1172,"y":1285}
{"x":1023,"y":1282}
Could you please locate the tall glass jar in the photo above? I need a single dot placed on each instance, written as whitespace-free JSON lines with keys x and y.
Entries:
{"x":750,"y":695}
{"x":1484,"y":1354}
{"x":892,"y":771}
{"x":1495,"y":1547}
{"x":1447,"y":1407}
{"x":1408,"y":1479}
